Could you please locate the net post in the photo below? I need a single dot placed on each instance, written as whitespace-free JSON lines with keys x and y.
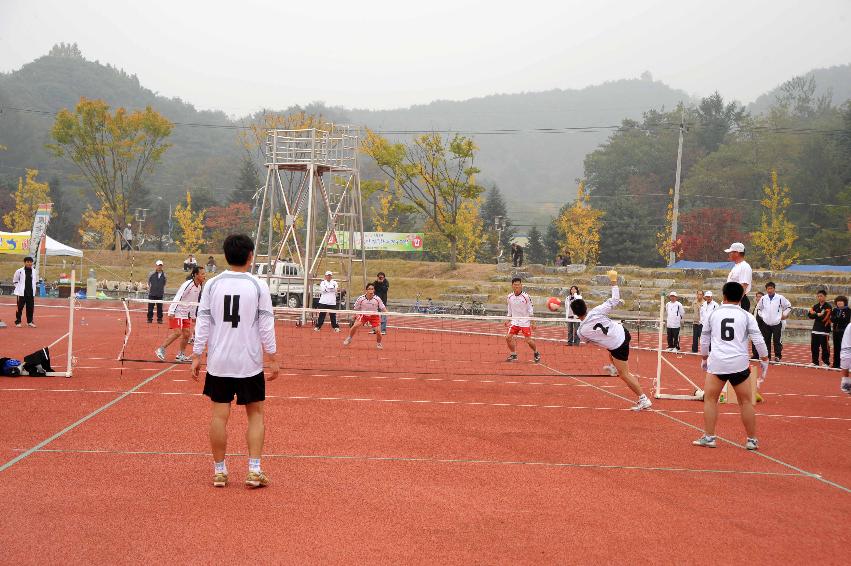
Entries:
{"x":71,"y":305}
{"x":658,"y":383}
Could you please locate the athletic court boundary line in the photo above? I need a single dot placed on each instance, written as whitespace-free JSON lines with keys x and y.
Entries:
{"x":74,"y":425}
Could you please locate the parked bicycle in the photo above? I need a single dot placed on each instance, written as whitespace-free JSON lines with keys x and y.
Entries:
{"x":428,"y":307}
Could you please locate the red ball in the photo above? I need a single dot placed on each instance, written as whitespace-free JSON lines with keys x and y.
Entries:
{"x":553,"y":303}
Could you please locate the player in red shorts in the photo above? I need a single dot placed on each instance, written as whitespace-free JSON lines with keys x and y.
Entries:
{"x":520,"y":310}
{"x":183,"y":309}
{"x":367,"y":303}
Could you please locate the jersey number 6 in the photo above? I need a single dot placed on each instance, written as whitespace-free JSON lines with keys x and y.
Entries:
{"x":231,"y":310}
{"x":727,"y":330}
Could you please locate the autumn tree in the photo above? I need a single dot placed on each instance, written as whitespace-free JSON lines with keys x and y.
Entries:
{"x":664,"y":241}
{"x":776,"y":234}
{"x":221,"y":221}
{"x":470,"y":235}
{"x":113,"y":151}
{"x":97,"y":228}
{"x":191,"y":225}
{"x":29,"y":195}
{"x":706,"y":231}
{"x":435,"y":177}
{"x":580,"y":227}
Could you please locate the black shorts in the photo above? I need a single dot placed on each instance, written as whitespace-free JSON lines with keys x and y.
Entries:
{"x":735,"y":378}
{"x":622,"y":352}
{"x":247,"y":389}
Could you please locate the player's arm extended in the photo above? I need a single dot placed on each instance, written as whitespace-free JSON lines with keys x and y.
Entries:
{"x":755,"y":335}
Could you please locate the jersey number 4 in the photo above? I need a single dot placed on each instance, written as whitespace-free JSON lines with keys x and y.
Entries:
{"x":728,"y":331}
{"x":231,"y":310}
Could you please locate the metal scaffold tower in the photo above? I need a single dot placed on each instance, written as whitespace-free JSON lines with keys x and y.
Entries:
{"x":311,"y":213}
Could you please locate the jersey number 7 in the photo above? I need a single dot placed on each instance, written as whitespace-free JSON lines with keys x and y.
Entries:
{"x":231,"y":310}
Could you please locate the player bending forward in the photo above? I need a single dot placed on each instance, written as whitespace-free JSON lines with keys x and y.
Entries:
{"x":236,"y":325}
{"x":596,"y":327}
{"x":180,"y":315}
{"x":367,"y":303}
{"x":727,"y":331}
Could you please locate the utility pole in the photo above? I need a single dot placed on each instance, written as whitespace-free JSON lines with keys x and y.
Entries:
{"x":676,"y":212}
{"x":499,"y":226}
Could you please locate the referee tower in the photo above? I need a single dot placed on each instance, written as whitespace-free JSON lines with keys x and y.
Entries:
{"x":311,"y":213}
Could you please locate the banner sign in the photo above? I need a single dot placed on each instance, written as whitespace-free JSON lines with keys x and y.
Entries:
{"x":42,"y":218}
{"x":14,"y":243}
{"x":382,"y":241}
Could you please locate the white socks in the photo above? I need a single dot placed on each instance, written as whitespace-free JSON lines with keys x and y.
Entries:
{"x":254,"y":465}
{"x":221,"y":468}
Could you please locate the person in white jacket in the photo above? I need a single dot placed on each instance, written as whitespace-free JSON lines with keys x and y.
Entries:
{"x":675,"y":315}
{"x":25,"y":280}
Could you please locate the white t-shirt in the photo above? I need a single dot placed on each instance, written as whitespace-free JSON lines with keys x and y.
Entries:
{"x":567,"y":310}
{"x":236,"y":325}
{"x":845,"y":349}
{"x":599,"y":329}
{"x":705,"y":310}
{"x":328,"y":292}
{"x":676,"y":313}
{"x":771,"y":309}
{"x":519,"y":309}
{"x":728,"y":331}
{"x":189,"y":292}
{"x":742,"y":273}
{"x":375,"y":304}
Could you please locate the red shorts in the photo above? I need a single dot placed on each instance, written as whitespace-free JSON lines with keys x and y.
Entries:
{"x":175,"y":323}
{"x":524,"y":330}
{"x":370,"y":319}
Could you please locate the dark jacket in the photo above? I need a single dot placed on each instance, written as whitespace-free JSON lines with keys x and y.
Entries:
{"x":839,"y":319}
{"x":821,"y":322}
{"x":381,"y":289}
{"x":156,"y":284}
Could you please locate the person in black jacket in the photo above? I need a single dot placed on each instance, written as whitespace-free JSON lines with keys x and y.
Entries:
{"x":820,"y":313}
{"x":156,"y":292}
{"x":839,"y":317}
{"x":382,"y":286}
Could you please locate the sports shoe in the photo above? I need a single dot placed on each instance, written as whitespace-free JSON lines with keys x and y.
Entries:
{"x":336,"y":329}
{"x":537,"y":357}
{"x":17,"y":325}
{"x":752,"y":444}
{"x":642,"y":404}
{"x":511,"y":358}
{"x":182,"y":358}
{"x":31,"y":325}
{"x":372,"y":331}
{"x":191,"y":340}
{"x":347,"y":341}
{"x":220,"y":480}
{"x":256,"y":479}
{"x":160,"y":352}
{"x":613,"y":371}
{"x":777,"y":359}
{"x":380,"y":346}
{"x":316,"y":329}
{"x":2,"y":324}
{"x":705,"y":441}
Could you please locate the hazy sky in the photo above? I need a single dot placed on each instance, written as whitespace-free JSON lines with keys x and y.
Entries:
{"x":244,"y":55}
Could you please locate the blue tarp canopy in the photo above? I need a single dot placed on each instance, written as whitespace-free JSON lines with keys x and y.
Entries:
{"x":815,"y":268}
{"x":686,"y":264}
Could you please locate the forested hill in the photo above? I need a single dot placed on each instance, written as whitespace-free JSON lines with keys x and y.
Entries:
{"x":834,"y":80}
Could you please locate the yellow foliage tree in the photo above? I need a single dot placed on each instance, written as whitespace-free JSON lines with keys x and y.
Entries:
{"x":98,"y":227}
{"x":468,"y":231}
{"x":776,"y":234}
{"x":384,"y":216}
{"x":192,"y":225}
{"x":664,"y":244}
{"x":29,"y":195}
{"x":580,"y":227}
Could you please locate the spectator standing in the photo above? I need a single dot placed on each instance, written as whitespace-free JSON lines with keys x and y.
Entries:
{"x":211,"y":265}
{"x":519,"y":255}
{"x":572,"y":320}
{"x":156,"y":291}
{"x":741,"y":272}
{"x":674,"y":320}
{"x":382,"y":288}
{"x":820,"y":313}
{"x":24,"y":280}
{"x":697,"y":326}
{"x":127,"y":238}
{"x":773,"y":309}
{"x":327,"y":300}
{"x":707,"y":308}
{"x":839,"y":318}
{"x":514,"y":255}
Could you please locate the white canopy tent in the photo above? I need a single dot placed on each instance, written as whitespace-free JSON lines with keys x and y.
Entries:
{"x":53,"y":247}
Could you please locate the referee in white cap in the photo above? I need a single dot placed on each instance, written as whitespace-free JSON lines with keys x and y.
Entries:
{"x":741,"y":272}
{"x":327,"y":301}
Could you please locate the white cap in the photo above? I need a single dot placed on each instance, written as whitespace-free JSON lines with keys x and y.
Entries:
{"x":736,"y":247}
{"x":707,"y":294}
{"x":673,"y":294}
{"x":159,"y":262}
{"x":329,"y":273}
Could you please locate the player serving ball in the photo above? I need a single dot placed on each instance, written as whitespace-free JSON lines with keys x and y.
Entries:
{"x":520,"y":311}
{"x":597,"y":328}
{"x":367,"y":303}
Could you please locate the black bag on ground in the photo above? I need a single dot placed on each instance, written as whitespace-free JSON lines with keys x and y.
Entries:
{"x":38,"y":363}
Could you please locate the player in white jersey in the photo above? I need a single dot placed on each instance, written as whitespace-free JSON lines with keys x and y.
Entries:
{"x":674,"y":321}
{"x":741,"y":272}
{"x":597,"y":328}
{"x":727,"y":331}
{"x":845,"y":360}
{"x":367,"y":303}
{"x":181,"y":312}
{"x":236,"y":325}
{"x":519,"y":311}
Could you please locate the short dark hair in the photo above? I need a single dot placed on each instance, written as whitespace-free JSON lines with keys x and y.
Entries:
{"x":380,"y":274}
{"x":842,"y":298}
{"x":572,"y":287}
{"x":368,"y":285}
{"x":760,"y":293}
{"x":733,"y":291}
{"x":237,"y":248}
{"x":579,"y":307}
{"x":770,"y":284}
{"x":821,"y":292}
{"x":28,"y":258}
{"x":195,"y":271}
{"x":516,"y":280}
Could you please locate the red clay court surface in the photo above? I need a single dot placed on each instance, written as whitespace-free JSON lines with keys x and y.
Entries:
{"x":410,"y":465}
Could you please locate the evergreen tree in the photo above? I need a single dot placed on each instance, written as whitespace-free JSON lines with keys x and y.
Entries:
{"x":552,"y":241}
{"x":628,"y":236}
{"x":535,"y":251}
{"x":247,"y":183}
{"x":61,"y":224}
{"x":494,"y":206}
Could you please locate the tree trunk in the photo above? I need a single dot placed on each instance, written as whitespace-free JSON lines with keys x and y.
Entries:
{"x":453,"y":253}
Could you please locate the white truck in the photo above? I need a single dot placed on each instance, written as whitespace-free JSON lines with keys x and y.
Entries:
{"x":286,"y":284}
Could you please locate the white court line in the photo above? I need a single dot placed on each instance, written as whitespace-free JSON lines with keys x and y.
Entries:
{"x":70,"y":427}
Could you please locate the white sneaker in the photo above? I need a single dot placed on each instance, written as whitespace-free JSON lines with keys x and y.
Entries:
{"x":160,"y":352}
{"x":336,"y":330}
{"x":380,"y":346}
{"x":705,"y":441}
{"x":347,"y":341}
{"x":752,"y":444}
{"x":613,"y":371}
{"x":643,"y":403}
{"x":316,"y":329}
{"x":182,"y":358}
{"x":845,"y":387}
{"x":31,"y":325}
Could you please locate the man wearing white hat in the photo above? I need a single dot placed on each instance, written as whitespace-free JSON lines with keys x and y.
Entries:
{"x":741,"y":272}
{"x":327,"y":300}
{"x":674,"y":320}
{"x":708,"y":306}
{"x":156,"y":291}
